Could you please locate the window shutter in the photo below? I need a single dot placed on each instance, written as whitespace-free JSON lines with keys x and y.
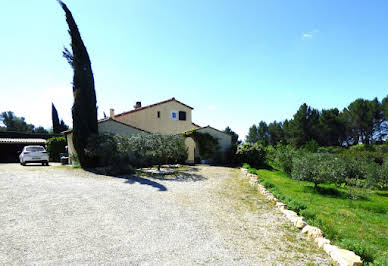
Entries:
{"x":182,"y":115}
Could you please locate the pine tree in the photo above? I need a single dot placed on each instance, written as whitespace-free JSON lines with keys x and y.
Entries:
{"x":84,"y":110}
{"x":252,"y":136}
{"x":55,"y":119}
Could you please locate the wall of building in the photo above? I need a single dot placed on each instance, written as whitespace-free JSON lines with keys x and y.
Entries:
{"x":148,"y":120}
{"x":111,"y":126}
{"x":190,"y":144}
{"x":224,"y":140}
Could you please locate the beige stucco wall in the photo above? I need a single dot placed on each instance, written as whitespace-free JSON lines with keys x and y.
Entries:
{"x":190,"y":144}
{"x":224,"y":140}
{"x":70,"y":146}
{"x":148,"y":120}
{"x":110,"y":126}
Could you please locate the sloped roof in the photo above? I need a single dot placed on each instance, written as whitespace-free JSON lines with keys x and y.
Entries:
{"x":194,"y":124}
{"x":108,"y":119}
{"x":21,"y":141}
{"x":155,"y":104}
{"x":125,"y":124}
{"x":213,"y":129}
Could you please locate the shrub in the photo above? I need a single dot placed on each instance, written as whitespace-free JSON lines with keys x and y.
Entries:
{"x":253,"y":154}
{"x":319,"y":168}
{"x":164,"y":149}
{"x":55,"y":146}
{"x":311,"y":146}
{"x":271,"y":155}
{"x":208,"y":146}
{"x":284,"y":156}
{"x":117,"y":154}
{"x":105,"y":151}
{"x":377,"y":176}
{"x":246,"y":166}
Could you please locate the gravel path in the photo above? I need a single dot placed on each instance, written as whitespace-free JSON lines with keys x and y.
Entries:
{"x":204,"y":215}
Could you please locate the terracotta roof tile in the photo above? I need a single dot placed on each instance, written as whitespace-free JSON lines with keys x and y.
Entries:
{"x":152,"y":105}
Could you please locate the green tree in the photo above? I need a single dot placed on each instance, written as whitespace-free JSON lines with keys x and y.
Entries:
{"x":84,"y":110}
{"x":363,"y":120}
{"x":384,"y":104}
{"x":14,"y":123}
{"x":55,"y":119}
{"x":262,"y":132}
{"x":332,"y":128}
{"x":276,"y":133}
{"x":253,"y":135}
{"x":234,"y":135}
{"x":304,"y":126}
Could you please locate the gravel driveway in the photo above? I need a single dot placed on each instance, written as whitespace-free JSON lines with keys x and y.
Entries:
{"x":204,"y":215}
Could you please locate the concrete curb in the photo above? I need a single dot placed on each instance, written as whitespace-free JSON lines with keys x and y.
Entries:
{"x":342,"y":256}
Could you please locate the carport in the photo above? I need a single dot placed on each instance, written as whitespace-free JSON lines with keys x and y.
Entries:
{"x":11,"y":147}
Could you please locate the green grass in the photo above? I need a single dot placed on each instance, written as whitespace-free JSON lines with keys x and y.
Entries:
{"x":360,"y":224}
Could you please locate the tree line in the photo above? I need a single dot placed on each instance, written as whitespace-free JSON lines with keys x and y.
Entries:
{"x":363,"y":121}
{"x":15,"y":123}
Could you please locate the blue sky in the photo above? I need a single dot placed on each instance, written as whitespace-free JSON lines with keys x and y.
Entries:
{"x":235,"y":62}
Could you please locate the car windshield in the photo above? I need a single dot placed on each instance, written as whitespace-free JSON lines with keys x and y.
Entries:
{"x":34,"y":149}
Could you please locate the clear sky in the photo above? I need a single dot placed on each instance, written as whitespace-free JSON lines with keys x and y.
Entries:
{"x":235,"y":62}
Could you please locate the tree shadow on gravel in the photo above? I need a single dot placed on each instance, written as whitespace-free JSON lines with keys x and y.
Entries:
{"x":143,"y":181}
{"x":131,"y":179}
{"x":186,"y":176}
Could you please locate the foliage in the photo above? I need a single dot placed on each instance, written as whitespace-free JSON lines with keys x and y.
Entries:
{"x":105,"y":150}
{"x":253,"y":154}
{"x":208,"y":146}
{"x":118,"y":153}
{"x":276,"y":133}
{"x":363,"y":121}
{"x":163,"y":149}
{"x":328,"y":208}
{"x":84,"y":110}
{"x":58,"y":127}
{"x":311,"y":146}
{"x":18,"y":124}
{"x":55,"y":146}
{"x":377,"y":176}
{"x":284,"y":155}
{"x":252,"y":136}
{"x":234,"y":135}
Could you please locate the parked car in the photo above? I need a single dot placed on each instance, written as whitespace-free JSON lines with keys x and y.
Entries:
{"x":34,"y":154}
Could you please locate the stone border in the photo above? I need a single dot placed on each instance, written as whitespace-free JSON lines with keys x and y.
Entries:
{"x":342,"y":256}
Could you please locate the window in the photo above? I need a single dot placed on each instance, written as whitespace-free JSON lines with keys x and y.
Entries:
{"x":182,"y":115}
{"x":174,"y":116}
{"x":158,"y":114}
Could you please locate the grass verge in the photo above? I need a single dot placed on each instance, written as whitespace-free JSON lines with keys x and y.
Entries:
{"x":356,"y":221}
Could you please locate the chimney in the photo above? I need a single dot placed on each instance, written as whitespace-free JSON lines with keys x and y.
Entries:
{"x":137,"y":105}
{"x":112,"y":113}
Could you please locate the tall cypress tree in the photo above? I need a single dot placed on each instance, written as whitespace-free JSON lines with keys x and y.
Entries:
{"x":84,"y":110}
{"x":55,"y":118}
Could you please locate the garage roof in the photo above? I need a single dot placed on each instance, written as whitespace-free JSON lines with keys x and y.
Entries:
{"x":21,"y":141}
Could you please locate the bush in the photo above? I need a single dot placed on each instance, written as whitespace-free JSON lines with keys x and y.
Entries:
{"x":319,"y":168}
{"x":311,"y":146}
{"x":108,"y":158}
{"x":165,"y":149}
{"x":253,"y":154}
{"x":117,"y":154}
{"x":55,"y":146}
{"x":377,"y":176}
{"x":284,"y":156}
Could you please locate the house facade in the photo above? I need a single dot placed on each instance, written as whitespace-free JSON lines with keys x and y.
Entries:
{"x":168,"y":117}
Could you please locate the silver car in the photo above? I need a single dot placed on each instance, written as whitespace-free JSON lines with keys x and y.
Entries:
{"x":34,"y":154}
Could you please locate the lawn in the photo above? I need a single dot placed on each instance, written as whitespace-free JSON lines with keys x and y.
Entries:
{"x":355,"y":220}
